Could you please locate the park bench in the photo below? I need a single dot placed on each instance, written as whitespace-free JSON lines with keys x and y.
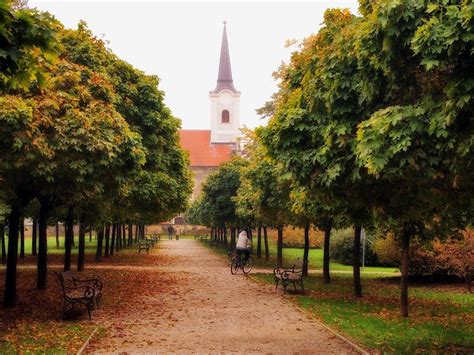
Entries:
{"x":287,"y":276}
{"x":143,"y":245}
{"x":87,"y":292}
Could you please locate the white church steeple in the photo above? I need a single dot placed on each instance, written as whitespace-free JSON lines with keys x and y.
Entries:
{"x":225,"y":100}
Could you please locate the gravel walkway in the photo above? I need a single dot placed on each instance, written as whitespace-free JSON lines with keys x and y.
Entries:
{"x":212,"y":311}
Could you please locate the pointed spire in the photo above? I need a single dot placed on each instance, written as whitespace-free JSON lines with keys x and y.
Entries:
{"x":224,"y":77}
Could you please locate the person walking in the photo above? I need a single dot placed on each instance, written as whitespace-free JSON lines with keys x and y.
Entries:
{"x":170,"y":232}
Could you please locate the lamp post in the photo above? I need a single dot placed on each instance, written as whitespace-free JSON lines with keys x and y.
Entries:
{"x":362,"y":232}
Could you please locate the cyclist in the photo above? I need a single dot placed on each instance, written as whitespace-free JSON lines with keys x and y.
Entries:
{"x":243,"y":246}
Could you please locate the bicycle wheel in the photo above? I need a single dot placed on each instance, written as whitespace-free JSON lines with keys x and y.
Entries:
{"x":234,"y":265}
{"x":248,"y":265}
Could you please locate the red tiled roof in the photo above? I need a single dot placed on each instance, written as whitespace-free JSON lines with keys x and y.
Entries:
{"x":201,"y":151}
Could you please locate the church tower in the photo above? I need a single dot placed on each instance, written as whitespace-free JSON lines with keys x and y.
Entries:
{"x":225,"y":100}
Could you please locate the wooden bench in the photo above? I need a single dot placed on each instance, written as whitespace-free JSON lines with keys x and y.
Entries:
{"x":87,"y":292}
{"x":287,"y":276}
{"x":143,"y":245}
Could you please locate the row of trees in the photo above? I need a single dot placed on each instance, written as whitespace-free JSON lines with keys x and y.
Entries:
{"x":372,"y":127}
{"x":85,"y":137}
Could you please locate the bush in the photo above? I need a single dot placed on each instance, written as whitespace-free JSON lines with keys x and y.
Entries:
{"x":453,"y":257}
{"x":341,"y":248}
{"x":387,"y":250}
{"x":293,"y":237}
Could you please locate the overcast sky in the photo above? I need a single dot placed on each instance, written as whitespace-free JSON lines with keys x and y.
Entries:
{"x":180,"y":42}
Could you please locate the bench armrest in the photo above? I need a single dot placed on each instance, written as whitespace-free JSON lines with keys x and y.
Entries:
{"x":79,"y":291}
{"x":280,"y":270}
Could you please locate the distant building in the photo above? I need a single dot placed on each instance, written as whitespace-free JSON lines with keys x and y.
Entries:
{"x":209,"y":148}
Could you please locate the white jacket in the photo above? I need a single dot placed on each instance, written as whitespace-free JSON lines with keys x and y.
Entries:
{"x":243,"y":242}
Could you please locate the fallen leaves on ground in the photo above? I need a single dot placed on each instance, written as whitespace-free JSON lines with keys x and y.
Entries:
{"x":35,"y":325}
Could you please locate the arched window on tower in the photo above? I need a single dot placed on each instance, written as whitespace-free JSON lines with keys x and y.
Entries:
{"x":225,"y":117}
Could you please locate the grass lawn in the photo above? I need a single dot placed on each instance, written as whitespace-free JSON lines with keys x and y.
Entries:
{"x":441,"y":316}
{"x":315,"y":259}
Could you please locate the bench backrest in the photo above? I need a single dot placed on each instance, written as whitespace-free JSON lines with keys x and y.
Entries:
{"x":66,"y":278}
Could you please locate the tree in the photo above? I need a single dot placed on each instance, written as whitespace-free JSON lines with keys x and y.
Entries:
{"x":27,"y":45}
{"x":264,"y":193}
{"x":216,"y":207}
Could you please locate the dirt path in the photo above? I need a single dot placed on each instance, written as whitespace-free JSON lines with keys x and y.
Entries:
{"x":211,"y":311}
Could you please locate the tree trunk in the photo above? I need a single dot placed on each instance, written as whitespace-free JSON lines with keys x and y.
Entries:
{"x":225,"y":236}
{"x":22,"y":237}
{"x":68,"y":237}
{"x":82,"y":245}
{"x":327,"y":238}
{"x":130,"y":235}
{"x":124,"y":236}
{"x":118,"y":238}
{"x":2,"y":237}
{"x":90,"y":234}
{"x":42,"y":274}
{"x":280,"y":247}
{"x":137,"y":237}
{"x":107,"y":240}
{"x":306,"y":249}
{"x":265,"y":239}
{"x":259,"y":242}
{"x":34,"y":237}
{"x":57,"y":235}
{"x":100,"y":239}
{"x":9,"y":299}
{"x":356,"y":262}
{"x":404,"y":269}
{"x":112,"y":240}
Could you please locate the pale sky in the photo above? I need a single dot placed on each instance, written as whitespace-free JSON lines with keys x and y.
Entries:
{"x":180,"y":42}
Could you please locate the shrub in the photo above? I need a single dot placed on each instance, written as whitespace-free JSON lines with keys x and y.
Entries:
{"x":341,"y":248}
{"x":387,"y":250}
{"x":453,"y":257}
{"x":293,"y":237}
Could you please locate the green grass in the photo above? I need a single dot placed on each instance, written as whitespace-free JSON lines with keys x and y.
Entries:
{"x":441,"y":318}
{"x":52,"y":249}
{"x":315,"y":260}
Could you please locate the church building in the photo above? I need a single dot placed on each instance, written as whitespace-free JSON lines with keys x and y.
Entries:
{"x":209,"y":148}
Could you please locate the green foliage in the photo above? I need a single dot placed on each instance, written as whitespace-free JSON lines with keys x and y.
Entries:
{"x":216,"y":205}
{"x":97,"y":135}
{"x":375,"y":111}
{"x":27,"y":45}
{"x":341,"y":248}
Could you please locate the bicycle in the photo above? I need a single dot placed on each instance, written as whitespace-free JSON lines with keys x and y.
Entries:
{"x":238,"y":262}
